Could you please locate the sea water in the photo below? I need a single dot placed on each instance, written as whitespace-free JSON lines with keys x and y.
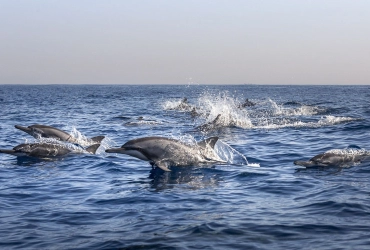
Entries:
{"x":258,"y":199}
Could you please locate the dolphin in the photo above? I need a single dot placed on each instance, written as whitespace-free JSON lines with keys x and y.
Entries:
{"x":333,"y":159}
{"x":163,"y":152}
{"x":247,"y":103}
{"x":42,"y":150}
{"x":211,"y":125}
{"x":38,"y":130}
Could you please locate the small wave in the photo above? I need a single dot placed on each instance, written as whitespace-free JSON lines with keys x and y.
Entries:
{"x":286,"y":123}
{"x":332,"y":120}
{"x":255,"y":165}
{"x":303,"y":110}
{"x":142,"y":123}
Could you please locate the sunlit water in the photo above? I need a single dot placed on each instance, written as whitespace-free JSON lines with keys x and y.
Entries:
{"x":258,"y":200}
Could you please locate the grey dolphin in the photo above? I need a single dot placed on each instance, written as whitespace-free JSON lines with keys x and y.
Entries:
{"x":42,"y":150}
{"x":38,"y":130}
{"x":247,"y":103}
{"x":215,"y":124}
{"x":164,"y":152}
{"x":333,"y":159}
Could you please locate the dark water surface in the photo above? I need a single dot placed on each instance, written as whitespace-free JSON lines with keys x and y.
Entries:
{"x":110,"y":201}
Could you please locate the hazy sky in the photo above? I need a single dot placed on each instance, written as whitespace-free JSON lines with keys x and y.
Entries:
{"x":187,"y":41}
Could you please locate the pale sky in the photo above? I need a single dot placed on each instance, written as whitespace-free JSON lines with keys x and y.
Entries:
{"x":182,"y":42}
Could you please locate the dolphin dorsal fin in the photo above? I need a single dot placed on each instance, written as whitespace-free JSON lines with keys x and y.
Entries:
{"x":208,"y":142}
{"x":98,"y":139}
{"x":92,"y":149}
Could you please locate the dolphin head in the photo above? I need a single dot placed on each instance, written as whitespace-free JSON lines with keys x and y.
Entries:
{"x":320,"y":160}
{"x":20,"y":150}
{"x":31,"y":130}
{"x":25,"y":129}
{"x":306,"y":164}
{"x":132,"y":151}
{"x":24,"y":147}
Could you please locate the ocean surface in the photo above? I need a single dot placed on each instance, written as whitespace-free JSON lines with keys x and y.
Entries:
{"x":258,"y":200}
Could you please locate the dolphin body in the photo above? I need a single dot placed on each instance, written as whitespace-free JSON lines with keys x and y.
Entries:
{"x":333,"y":159}
{"x":163,"y":152}
{"x":38,"y":130}
{"x":43,"y":150}
{"x":210,"y":125}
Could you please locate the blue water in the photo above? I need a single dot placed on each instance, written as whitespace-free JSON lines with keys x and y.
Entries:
{"x":111,"y":201}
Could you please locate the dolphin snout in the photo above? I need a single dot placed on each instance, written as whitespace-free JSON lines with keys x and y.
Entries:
{"x":115,"y":150}
{"x":304,"y":163}
{"x":25,"y":129}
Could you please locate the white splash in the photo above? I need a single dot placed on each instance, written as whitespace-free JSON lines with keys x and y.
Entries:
{"x":181,"y":105}
{"x":215,"y":111}
{"x":304,"y":110}
{"x":223,"y":107}
{"x":349,"y":151}
{"x":229,"y":154}
{"x":143,"y":123}
{"x":221,"y":149}
{"x":332,"y":120}
{"x":85,"y":142}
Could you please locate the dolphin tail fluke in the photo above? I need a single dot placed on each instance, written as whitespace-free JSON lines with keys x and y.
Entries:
{"x":7,"y":151}
{"x":92,"y":149}
{"x":208,"y":142}
{"x":162,"y":166}
{"x":98,"y":139}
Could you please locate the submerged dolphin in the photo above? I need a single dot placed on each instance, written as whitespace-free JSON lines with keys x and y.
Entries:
{"x":211,"y":125}
{"x":247,"y":103}
{"x":42,"y":150}
{"x":44,"y":131}
{"x":164,"y":152}
{"x":333,"y":159}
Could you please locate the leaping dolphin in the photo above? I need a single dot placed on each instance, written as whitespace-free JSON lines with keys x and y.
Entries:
{"x":42,"y":150}
{"x":333,"y":159}
{"x":163,"y":152}
{"x":38,"y":130}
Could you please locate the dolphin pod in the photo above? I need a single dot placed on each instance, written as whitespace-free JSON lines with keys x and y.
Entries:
{"x":51,"y":149}
{"x":161,"y":152}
